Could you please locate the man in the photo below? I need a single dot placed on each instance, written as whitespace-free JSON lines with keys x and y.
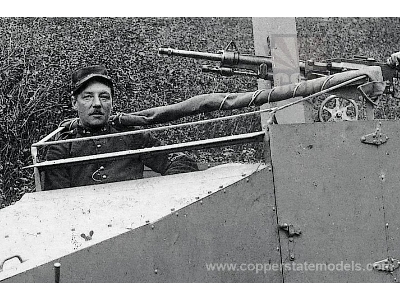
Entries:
{"x":92,"y":97}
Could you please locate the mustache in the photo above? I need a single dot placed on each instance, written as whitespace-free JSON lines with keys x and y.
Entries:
{"x":96,"y":112}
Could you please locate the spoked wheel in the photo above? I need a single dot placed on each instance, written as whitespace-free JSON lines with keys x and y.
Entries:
{"x":336,"y":109}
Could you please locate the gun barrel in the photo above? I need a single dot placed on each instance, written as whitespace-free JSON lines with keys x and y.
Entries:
{"x":190,"y":54}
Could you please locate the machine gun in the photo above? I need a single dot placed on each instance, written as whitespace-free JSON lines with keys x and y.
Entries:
{"x":231,"y":62}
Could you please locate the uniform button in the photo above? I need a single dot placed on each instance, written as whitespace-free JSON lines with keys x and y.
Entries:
{"x":104,"y":176}
{"x":98,"y":146}
{"x":101,"y":168}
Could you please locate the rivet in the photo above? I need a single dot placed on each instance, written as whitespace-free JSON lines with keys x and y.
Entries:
{"x":177,"y":214}
{"x":291,"y":257}
{"x":197,"y":198}
{"x":221,"y":186}
{"x":269,"y":169}
{"x":172,"y":209}
{"x":109,"y":225}
{"x":104,"y":176}
{"x":224,"y":191}
{"x":277,"y":248}
{"x":290,"y":239}
{"x":147,"y":222}
{"x":387,"y":225}
{"x":209,"y":192}
{"x":395,"y":279}
{"x":152,"y":226}
{"x":273,"y":208}
{"x":363,"y":138}
{"x":247,"y":179}
{"x":155,"y":271}
{"x":201,"y":201}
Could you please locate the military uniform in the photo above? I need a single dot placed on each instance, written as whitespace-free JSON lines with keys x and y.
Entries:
{"x":125,"y":168}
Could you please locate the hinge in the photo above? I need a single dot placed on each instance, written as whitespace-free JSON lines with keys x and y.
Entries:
{"x":291,"y":231}
{"x":375,"y":138}
{"x":387,"y":265}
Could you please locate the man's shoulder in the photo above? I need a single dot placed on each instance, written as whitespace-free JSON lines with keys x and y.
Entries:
{"x":69,"y":131}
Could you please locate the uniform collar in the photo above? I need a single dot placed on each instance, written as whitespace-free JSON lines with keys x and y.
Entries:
{"x":93,"y":131}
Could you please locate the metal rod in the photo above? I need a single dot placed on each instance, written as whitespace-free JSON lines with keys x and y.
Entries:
{"x":190,"y":54}
{"x":57,"y":267}
{"x":203,"y":144}
{"x":150,"y":129}
{"x":49,"y":136}
{"x":34,"y":153}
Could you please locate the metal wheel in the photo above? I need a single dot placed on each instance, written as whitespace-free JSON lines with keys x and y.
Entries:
{"x":335,"y":109}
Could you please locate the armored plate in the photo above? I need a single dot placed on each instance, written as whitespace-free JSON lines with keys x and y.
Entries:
{"x":164,"y":229}
{"x":342,"y":194}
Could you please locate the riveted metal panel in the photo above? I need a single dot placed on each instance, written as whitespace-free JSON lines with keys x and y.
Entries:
{"x":327,"y":184}
{"x":232,"y":224}
{"x":390,"y":188}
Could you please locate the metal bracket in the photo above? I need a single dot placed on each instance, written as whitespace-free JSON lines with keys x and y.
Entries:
{"x":375,"y":138}
{"x":291,"y":231}
{"x":387,"y":265}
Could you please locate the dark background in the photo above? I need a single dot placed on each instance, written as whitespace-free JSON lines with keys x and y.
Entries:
{"x":37,"y":56}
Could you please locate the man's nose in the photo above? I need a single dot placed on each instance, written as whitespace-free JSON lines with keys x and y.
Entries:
{"x":96,"y":101}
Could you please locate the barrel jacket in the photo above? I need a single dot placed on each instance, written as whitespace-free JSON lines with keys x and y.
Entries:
{"x":125,"y":168}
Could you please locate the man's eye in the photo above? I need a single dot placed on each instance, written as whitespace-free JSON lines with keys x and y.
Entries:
{"x":87,"y":97}
{"x":105,"y":97}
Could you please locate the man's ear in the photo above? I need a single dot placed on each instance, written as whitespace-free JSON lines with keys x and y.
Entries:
{"x":74,"y":103}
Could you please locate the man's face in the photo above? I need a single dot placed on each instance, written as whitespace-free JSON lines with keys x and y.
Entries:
{"x":94,"y":104}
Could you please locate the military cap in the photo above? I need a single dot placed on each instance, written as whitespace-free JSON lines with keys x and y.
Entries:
{"x":83,"y":75}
